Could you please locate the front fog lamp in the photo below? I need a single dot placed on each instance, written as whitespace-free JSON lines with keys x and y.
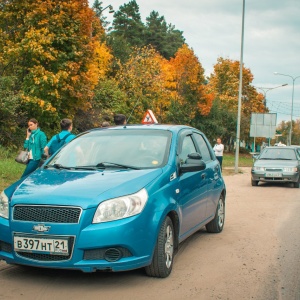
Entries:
{"x":3,"y":205}
{"x":120,"y":208}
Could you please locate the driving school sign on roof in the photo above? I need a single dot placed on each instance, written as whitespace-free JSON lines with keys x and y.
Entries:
{"x":149,"y":117}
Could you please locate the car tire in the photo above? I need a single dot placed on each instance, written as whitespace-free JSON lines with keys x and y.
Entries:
{"x":216,"y":225}
{"x":254,"y":182}
{"x":162,"y":261}
{"x":297,"y":184}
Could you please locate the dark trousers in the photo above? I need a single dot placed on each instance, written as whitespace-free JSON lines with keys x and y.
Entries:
{"x":30,"y":167}
{"x":220,"y":159}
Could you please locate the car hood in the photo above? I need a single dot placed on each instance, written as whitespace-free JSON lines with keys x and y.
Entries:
{"x":276,"y":163}
{"x":84,"y":188}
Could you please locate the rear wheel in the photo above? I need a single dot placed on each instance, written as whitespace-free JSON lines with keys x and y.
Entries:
{"x":254,"y":182}
{"x":297,"y":184}
{"x":162,"y":262}
{"x":217,"y":223}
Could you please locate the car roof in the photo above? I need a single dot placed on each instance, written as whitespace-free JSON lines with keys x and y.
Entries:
{"x":280,"y":147}
{"x":168,"y":127}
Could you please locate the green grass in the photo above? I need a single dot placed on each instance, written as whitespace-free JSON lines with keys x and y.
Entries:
{"x":10,"y":171}
{"x":245,"y":160}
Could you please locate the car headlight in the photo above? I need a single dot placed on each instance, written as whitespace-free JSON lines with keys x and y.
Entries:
{"x":258,"y":168}
{"x":120,"y":208}
{"x":289,"y":169}
{"x":3,"y":205}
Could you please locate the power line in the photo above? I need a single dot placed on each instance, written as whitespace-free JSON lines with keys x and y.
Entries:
{"x":284,"y":108}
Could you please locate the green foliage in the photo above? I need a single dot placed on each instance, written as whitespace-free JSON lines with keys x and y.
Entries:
{"x":164,"y":38}
{"x":129,"y":31}
{"x":10,"y":112}
{"x":51,"y":50}
{"x":220,"y":122}
{"x":10,"y":171}
{"x":107,"y":101}
{"x":127,"y":23}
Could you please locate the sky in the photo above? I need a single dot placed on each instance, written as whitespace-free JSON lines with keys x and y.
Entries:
{"x":213,"y":28}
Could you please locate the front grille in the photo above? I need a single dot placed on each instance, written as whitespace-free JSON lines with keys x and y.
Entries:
{"x":50,"y":214}
{"x":274,"y":169}
{"x":109,"y":254}
{"x":48,"y":257}
{"x":5,"y":247}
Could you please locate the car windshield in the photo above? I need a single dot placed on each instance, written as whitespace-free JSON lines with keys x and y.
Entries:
{"x":126,"y":148}
{"x":278,"y":153}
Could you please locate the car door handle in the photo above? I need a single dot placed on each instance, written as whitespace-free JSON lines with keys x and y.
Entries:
{"x":203,"y":176}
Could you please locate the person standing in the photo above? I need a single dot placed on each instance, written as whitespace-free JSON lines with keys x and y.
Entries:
{"x":58,"y":140}
{"x":35,"y":142}
{"x":219,"y":148}
{"x":120,"y":119}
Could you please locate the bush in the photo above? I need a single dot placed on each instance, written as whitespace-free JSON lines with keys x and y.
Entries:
{"x":10,"y":171}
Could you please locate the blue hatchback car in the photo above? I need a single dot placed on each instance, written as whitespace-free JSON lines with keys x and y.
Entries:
{"x":114,"y":199}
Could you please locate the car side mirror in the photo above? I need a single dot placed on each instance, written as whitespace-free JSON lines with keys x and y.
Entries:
{"x":193,"y":163}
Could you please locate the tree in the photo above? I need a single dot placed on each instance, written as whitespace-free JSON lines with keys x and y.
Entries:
{"x":284,"y":128}
{"x":108,"y":100}
{"x":164,"y":38}
{"x":142,"y":79}
{"x":54,"y":49}
{"x":9,"y":112}
{"x":127,"y":24}
{"x":224,"y":82}
{"x":192,"y":94}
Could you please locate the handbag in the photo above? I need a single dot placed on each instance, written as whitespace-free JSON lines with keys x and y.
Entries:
{"x":22,"y":157}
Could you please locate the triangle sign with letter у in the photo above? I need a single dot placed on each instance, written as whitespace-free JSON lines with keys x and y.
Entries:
{"x":149,"y":118}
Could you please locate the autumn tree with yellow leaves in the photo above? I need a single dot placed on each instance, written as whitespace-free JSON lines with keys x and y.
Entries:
{"x":141,"y":77}
{"x":224,"y":83}
{"x":192,"y":95}
{"x":53,"y":48}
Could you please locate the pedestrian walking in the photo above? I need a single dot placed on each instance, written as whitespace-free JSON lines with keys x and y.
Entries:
{"x":35,"y":143}
{"x":58,"y":140}
{"x":219,"y":148}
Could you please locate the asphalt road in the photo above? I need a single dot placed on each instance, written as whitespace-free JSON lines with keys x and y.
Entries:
{"x":256,"y":256}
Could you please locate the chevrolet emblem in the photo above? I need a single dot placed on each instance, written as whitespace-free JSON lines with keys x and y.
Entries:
{"x":41,"y":228}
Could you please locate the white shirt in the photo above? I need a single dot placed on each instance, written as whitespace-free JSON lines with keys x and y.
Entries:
{"x":219,"y":148}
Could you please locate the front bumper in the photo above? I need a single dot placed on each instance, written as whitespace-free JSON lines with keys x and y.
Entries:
{"x":275,"y":176}
{"x":113,"y":246}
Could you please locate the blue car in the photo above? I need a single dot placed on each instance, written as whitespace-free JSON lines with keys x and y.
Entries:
{"x":114,"y":199}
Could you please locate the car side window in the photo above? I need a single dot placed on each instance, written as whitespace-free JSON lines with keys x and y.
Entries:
{"x":206,"y":155}
{"x":187,"y":148}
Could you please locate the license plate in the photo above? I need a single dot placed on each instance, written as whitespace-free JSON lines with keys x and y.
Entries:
{"x":41,"y":245}
{"x":273,"y":175}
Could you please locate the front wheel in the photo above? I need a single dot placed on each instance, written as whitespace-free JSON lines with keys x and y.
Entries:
{"x":297,"y":184}
{"x":217,"y":223}
{"x":254,"y":182}
{"x":162,"y":262}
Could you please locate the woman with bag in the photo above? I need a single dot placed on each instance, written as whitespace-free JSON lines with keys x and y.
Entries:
{"x":35,"y":143}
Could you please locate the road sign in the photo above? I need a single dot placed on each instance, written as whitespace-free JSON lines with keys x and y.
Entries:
{"x":149,"y":118}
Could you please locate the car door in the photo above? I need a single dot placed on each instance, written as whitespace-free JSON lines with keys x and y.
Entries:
{"x":213,"y":173}
{"x":192,"y":188}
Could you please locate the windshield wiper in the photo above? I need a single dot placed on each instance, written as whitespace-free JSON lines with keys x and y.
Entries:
{"x":106,"y":164}
{"x":58,"y":166}
{"x":86,"y":168}
{"x":285,"y":159}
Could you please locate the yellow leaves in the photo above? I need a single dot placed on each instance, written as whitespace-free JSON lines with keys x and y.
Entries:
{"x":100,"y":63}
{"x":44,"y":105}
